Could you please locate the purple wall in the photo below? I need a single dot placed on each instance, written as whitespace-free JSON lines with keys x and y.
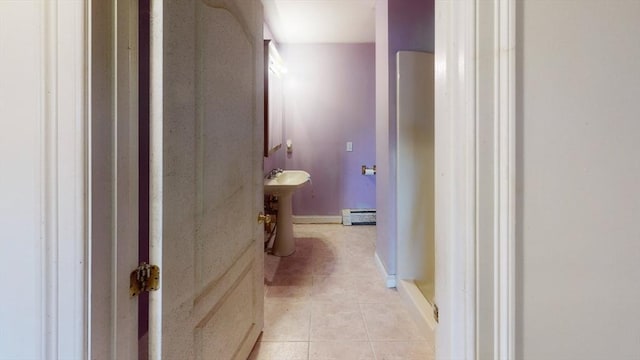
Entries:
{"x":400,"y":25}
{"x":329,"y":100}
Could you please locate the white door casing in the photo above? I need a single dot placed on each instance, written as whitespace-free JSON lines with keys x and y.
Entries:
{"x":211,"y":174}
{"x":43,"y":190}
{"x":475,"y":178}
{"x":43,"y":160}
{"x":504,"y":159}
{"x":455,"y":180}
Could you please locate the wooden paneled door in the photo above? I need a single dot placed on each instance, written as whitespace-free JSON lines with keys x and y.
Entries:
{"x":211,"y":300}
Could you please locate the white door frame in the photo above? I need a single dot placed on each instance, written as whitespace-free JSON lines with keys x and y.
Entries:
{"x":457,"y":123}
{"x":464,"y":111}
{"x":112,"y":62}
{"x":64,"y":180}
{"x":156,"y":148}
{"x":504,"y":268}
{"x":44,"y":225}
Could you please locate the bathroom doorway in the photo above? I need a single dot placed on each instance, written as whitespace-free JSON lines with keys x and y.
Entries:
{"x":394,"y":23}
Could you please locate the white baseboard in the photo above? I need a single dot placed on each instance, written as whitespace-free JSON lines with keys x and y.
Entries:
{"x":389,"y":280}
{"x":317,"y":219}
{"x":419,"y":307}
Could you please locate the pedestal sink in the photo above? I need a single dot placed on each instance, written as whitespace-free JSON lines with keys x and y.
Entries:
{"x":283,"y":186}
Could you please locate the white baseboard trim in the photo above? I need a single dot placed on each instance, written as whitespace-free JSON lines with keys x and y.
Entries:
{"x":389,"y":280}
{"x":417,"y":305}
{"x":317,"y":219}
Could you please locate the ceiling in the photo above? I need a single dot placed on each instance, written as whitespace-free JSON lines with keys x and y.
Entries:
{"x":321,"y":21}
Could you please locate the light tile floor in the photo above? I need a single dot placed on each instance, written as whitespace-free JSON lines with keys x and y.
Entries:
{"x":328,"y":301}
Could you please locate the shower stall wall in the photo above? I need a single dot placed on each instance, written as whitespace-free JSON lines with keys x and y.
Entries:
{"x":415,"y":169}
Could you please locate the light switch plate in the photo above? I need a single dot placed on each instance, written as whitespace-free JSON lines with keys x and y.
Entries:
{"x":349,"y":146}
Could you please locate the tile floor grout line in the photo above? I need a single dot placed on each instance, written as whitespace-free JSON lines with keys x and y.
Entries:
{"x":366,"y":329}
{"x":311,"y":301}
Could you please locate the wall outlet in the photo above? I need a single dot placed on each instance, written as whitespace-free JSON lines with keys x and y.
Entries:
{"x":349,"y":146}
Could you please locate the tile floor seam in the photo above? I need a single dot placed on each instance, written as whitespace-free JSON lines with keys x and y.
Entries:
{"x":310,"y":319}
{"x":366,"y":328}
{"x":311,"y":303}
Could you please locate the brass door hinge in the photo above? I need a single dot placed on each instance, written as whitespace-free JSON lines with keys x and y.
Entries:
{"x":436,"y":313}
{"x":144,"y":278}
{"x":264,"y":219}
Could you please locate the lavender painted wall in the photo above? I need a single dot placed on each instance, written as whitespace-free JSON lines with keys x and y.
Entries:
{"x":400,"y":25}
{"x":329,"y":100}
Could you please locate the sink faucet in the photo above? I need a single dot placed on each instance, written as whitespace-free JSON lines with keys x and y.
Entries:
{"x":273,"y":173}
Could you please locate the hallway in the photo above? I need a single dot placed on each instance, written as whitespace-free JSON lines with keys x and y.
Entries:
{"x":328,"y":301}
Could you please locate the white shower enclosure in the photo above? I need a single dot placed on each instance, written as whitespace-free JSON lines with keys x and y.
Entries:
{"x":415,"y":172}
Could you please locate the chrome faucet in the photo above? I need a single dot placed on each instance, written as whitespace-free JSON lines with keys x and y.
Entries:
{"x":273,"y":173}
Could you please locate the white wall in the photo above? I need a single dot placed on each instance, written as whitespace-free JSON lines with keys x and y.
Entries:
{"x":578,"y":235}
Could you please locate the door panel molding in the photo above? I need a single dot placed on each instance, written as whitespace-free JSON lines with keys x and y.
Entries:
{"x":234,"y":9}
{"x":245,"y":261}
{"x":214,"y":331}
{"x":213,"y":309}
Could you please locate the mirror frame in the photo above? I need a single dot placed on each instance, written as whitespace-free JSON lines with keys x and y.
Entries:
{"x":268,"y":147}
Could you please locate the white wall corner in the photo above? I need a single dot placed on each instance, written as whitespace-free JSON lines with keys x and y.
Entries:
{"x":389,"y":280}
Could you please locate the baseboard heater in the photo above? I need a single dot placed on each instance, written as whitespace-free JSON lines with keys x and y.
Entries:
{"x":359,"y":216}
